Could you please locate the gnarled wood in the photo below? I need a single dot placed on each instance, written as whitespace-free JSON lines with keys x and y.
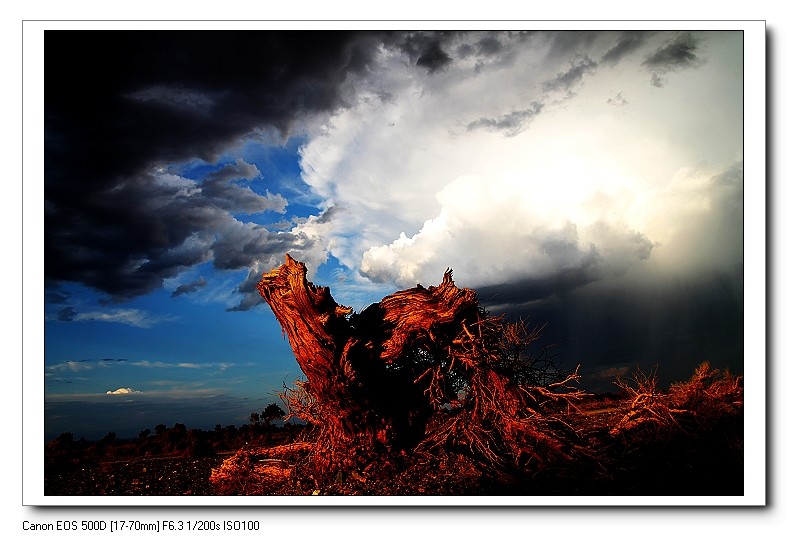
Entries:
{"x":423,"y":368}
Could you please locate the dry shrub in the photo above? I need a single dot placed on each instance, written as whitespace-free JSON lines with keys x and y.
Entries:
{"x":259,"y":471}
{"x":709,"y":397}
{"x":236,"y":476}
{"x":301,"y":403}
{"x":649,"y":409}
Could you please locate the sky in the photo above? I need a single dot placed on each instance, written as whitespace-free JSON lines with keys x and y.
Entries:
{"x":591,"y":182}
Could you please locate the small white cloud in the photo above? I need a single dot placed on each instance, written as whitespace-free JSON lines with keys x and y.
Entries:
{"x":71,"y":366}
{"x":158,"y":364}
{"x":124,"y":390}
{"x":129,"y":317}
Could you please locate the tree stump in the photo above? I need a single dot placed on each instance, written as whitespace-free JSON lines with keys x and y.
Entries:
{"x":423,"y":368}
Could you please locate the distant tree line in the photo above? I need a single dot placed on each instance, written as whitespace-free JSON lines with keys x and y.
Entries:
{"x":175,"y":441}
{"x":271,"y":412}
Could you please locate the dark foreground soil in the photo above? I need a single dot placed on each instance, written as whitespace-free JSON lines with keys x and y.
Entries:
{"x":696,"y":465}
{"x":155,"y":476}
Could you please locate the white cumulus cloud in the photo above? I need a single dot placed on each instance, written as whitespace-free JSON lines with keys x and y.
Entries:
{"x":124,"y":390}
{"x":578,"y":190}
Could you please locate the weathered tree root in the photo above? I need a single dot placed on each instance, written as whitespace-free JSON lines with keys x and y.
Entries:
{"x":425,"y":368}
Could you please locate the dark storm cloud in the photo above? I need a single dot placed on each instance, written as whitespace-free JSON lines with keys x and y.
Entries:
{"x":489,"y":45}
{"x":196,"y":101}
{"x":66,"y":314}
{"x":125,"y":240}
{"x":188,"y":288}
{"x":250,"y":296}
{"x":673,"y":323}
{"x":485,"y":46}
{"x":433,"y":58}
{"x":511,"y":124}
{"x":270,"y":248}
{"x":242,"y":244}
{"x":562,"y":44}
{"x":626,"y":44}
{"x":56,"y":297}
{"x":120,"y":103}
{"x":570,"y":265}
{"x":262,"y":252}
{"x":566,"y":81}
{"x":220,"y":192}
{"x":465,"y":50}
{"x":678,"y":53}
{"x":424,"y":49}
{"x":522,"y":294}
